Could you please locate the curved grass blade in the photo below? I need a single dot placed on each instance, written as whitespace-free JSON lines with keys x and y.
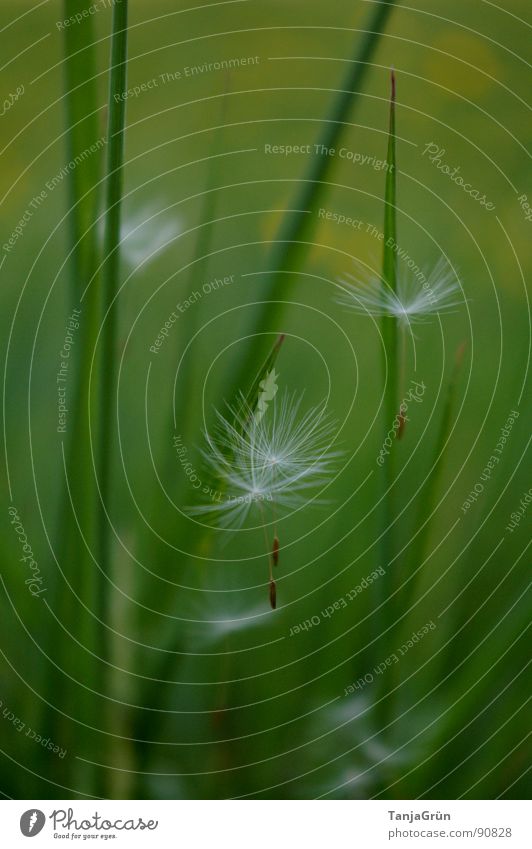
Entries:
{"x":296,"y":225}
{"x":428,"y":496}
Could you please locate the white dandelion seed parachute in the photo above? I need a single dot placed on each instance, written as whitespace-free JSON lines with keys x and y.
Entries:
{"x":366,"y":294}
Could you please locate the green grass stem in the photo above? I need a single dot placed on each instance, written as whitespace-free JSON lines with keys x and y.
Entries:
{"x":427,"y":498}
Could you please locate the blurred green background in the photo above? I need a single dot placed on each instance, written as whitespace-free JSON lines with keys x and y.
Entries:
{"x":206,"y":695}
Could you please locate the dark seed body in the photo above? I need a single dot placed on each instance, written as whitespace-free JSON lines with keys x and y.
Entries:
{"x":275,"y":551}
{"x":401,"y":428}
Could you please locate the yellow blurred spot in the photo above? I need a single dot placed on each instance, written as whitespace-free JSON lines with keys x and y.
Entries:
{"x":454,"y":74}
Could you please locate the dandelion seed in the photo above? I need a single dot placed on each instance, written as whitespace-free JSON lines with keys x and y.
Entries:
{"x":368,"y":294}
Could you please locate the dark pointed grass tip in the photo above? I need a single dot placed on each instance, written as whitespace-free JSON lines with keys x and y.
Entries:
{"x":275,"y":551}
{"x":277,"y":346}
{"x":273,"y":594}
{"x":392,"y":77}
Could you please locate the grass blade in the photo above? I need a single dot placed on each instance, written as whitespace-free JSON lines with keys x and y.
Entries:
{"x":425,"y":515}
{"x":83,"y":131}
{"x":106,"y":365}
{"x":110,"y":272}
{"x":81,"y":102}
{"x":296,"y":226}
{"x":249,"y":401}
